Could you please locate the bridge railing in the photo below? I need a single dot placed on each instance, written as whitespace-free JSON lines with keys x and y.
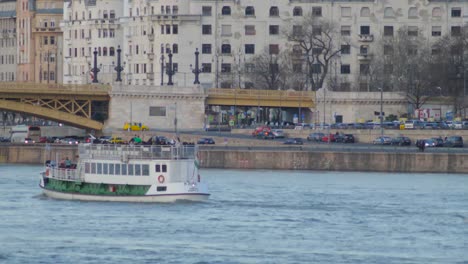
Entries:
{"x":52,"y":88}
{"x":292,"y":94}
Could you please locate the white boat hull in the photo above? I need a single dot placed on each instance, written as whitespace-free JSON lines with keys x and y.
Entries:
{"x":160,"y":198}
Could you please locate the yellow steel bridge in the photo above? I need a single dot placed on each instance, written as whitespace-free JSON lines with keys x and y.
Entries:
{"x":77,"y":105}
{"x":71,"y":104}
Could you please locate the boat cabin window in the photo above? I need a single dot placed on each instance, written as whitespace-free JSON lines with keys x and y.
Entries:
{"x":93,"y":167}
{"x":87,"y":167}
{"x":161,"y":188}
{"x":161,"y":168}
{"x":99,"y":168}
{"x":137,"y":170}
{"x":145,"y":170}
{"x":117,"y":169}
{"x":105,"y":168}
{"x":130,"y":169}
{"x":124,"y":169}
{"x":111,"y":169}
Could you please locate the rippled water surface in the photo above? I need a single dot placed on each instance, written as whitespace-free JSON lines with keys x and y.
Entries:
{"x":251,"y":217}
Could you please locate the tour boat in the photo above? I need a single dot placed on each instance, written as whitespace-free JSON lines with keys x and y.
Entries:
{"x":127,"y":173}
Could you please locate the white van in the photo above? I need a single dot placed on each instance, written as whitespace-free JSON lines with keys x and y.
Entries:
{"x":412,"y":124}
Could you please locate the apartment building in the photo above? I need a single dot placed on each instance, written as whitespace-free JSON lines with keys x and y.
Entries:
{"x":228,"y":34}
{"x":7,"y":40}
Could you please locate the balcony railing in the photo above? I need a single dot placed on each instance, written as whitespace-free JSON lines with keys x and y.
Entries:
{"x":366,"y":37}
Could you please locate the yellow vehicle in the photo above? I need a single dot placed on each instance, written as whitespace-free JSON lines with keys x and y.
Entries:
{"x":135,"y":127}
{"x":116,"y":140}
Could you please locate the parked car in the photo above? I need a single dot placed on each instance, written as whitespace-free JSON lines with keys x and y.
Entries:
{"x":105,"y":139}
{"x":3,"y":139}
{"x":29,"y":141}
{"x":344,"y":138}
{"x":260,"y":129}
{"x":293,"y":141}
{"x":116,"y":140}
{"x":430,"y":143}
{"x":401,"y":141}
{"x":278,"y":133}
{"x":203,"y":141}
{"x":69,"y":141}
{"x":383,"y":140}
{"x":266,"y":135}
{"x":454,"y":142}
{"x":439,"y":142}
{"x":328,"y":138}
{"x":316,"y":136}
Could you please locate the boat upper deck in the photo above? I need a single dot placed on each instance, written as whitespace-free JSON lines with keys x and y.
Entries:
{"x":143,"y":152}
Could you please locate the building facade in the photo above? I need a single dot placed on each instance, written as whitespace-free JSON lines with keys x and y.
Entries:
{"x":228,"y":34}
{"x":7,"y":41}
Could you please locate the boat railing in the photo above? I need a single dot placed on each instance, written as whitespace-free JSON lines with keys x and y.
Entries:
{"x":125,"y":152}
{"x":63,"y":173}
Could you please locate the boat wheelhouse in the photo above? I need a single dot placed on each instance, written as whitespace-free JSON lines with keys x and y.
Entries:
{"x":127,"y":173}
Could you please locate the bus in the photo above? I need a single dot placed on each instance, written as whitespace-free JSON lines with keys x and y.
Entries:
{"x":20,"y":132}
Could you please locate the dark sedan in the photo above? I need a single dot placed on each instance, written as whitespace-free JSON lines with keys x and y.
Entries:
{"x":344,"y":138}
{"x":401,"y":141}
{"x":294,"y":141}
{"x":266,"y":135}
{"x":202,"y":141}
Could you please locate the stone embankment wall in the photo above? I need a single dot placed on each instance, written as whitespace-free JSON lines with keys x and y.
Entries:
{"x":281,"y":158}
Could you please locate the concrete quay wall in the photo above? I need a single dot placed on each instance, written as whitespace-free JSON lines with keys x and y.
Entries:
{"x":280,"y":159}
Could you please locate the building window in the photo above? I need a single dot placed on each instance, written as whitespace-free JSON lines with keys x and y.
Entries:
{"x":111,"y":51}
{"x":388,"y":50}
{"x":436,"y":31}
{"x":388,"y":12}
{"x":345,"y":30}
{"x":365,"y":30}
{"x":413,"y":31}
{"x":274,"y":11}
{"x":297,"y":30}
{"x":226,"y":11}
{"x":274,"y":29}
{"x":225,"y":67}
{"x":363,"y":50}
{"x":345,"y":69}
{"x":297,"y":67}
{"x":175,"y":29}
{"x":206,"y":48}
{"x":206,"y":29}
{"x":249,"y":48}
{"x":412,"y":12}
{"x":226,"y":85}
{"x":249,"y":30}
{"x":365,"y":12}
{"x":388,"y":68}
{"x":388,"y":31}
{"x":346,"y":49}
{"x":206,"y":10}
{"x":345,"y":11}
{"x":250,"y":11}
{"x":412,"y":50}
{"x":316,"y":68}
{"x":157,"y":111}
{"x":456,"y":12}
{"x":297,"y":11}
{"x":436,"y":12}
{"x":206,"y":67}
{"x":317,"y":11}
{"x":364,"y":69}
{"x":274,"y":49}
{"x":46,"y":40}
{"x":317,"y":30}
{"x":456,"y":31}
{"x":226,"y":49}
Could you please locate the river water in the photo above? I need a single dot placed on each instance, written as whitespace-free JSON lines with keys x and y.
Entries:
{"x":251,"y":217}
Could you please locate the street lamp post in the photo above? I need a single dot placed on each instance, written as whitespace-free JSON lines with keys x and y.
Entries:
{"x":197,"y":70}
{"x":95,"y":69}
{"x":119,"y":67}
{"x":440,"y":102}
{"x":170,"y":70}
{"x":381,"y":112}
{"x":162,"y":69}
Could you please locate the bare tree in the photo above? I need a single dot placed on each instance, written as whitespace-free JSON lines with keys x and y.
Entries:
{"x":318,"y":40}
{"x":403,"y":63}
{"x":267,"y":71}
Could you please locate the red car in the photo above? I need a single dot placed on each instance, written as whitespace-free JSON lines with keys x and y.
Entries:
{"x":261,"y":129}
{"x":330,"y":138}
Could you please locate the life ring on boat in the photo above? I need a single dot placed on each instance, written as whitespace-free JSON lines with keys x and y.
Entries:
{"x":47,"y":172}
{"x":161,"y":179}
